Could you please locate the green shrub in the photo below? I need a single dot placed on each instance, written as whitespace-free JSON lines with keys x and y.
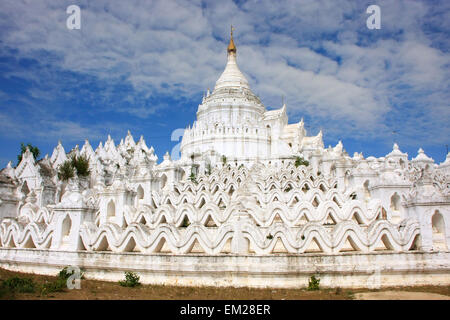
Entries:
{"x":193,"y":178}
{"x":313,"y":283}
{"x":131,"y":280}
{"x":224,"y":160}
{"x":65,"y":171}
{"x":64,"y":274}
{"x":299,"y":161}
{"x":67,"y":168}
{"x":19,"y":285}
{"x":81,"y":163}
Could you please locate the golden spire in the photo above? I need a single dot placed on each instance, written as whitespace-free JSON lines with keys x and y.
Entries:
{"x":231,"y":46}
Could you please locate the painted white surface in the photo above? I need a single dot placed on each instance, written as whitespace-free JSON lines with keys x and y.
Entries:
{"x":341,"y":208}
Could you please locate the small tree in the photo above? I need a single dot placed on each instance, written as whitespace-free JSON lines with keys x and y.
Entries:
{"x":66,"y":171}
{"x":34,"y":150}
{"x":299,"y":161}
{"x":81,"y":163}
{"x":67,"y":168}
{"x":224,"y":160}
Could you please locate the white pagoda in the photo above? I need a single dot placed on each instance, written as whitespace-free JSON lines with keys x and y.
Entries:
{"x":233,"y":122}
{"x":253,"y":201}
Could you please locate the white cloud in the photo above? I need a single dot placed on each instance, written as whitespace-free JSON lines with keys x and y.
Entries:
{"x":316,"y":53}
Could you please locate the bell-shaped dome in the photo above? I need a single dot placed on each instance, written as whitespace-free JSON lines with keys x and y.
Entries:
{"x":231,"y":76}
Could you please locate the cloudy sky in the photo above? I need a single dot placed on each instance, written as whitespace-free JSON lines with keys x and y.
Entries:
{"x":144,"y":65}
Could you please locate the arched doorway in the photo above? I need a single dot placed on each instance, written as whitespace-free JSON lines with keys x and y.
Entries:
{"x":438,"y":229}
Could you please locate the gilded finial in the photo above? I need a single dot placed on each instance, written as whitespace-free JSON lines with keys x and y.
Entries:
{"x":231,"y":46}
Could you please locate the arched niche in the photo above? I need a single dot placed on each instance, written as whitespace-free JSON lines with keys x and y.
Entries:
{"x":367,"y":194}
{"x":163,"y":181}
{"x":395,"y":202}
{"x":111,"y":209}
{"x":140,"y":193}
{"x":333,"y":170}
{"x":24,"y":189}
{"x":65,"y":227}
{"x":438,"y":232}
{"x":347,"y":178}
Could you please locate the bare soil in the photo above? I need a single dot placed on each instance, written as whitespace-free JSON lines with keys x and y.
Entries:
{"x":400,"y":295}
{"x":101,"y":290}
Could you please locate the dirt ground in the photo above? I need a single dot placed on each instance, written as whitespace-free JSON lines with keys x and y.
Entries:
{"x":400,"y":295}
{"x":101,"y":290}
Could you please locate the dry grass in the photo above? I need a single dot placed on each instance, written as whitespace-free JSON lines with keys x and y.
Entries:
{"x":101,"y":290}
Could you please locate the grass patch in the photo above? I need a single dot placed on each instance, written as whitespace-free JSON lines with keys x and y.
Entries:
{"x":19,"y":285}
{"x":58,"y":285}
{"x":14,"y":285}
{"x":350,"y":295}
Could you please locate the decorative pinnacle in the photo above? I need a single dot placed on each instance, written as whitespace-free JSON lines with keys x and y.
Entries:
{"x":231,"y":46}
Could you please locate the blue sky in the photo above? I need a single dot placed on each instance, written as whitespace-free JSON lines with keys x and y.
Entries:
{"x":143,"y":66}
